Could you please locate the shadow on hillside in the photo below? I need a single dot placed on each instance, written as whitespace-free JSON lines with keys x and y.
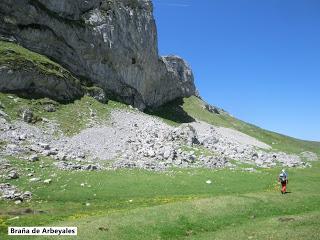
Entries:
{"x":172,"y":111}
{"x":31,"y":95}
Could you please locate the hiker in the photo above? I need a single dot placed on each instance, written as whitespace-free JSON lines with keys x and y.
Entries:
{"x":283,"y":179}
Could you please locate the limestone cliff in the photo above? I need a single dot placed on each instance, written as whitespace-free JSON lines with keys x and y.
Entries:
{"x":31,"y":74}
{"x":107,"y":43}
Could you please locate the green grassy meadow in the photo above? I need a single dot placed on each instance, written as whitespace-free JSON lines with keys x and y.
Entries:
{"x":177,"y":204}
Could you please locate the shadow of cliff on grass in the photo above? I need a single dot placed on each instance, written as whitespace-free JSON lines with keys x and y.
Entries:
{"x":172,"y":111}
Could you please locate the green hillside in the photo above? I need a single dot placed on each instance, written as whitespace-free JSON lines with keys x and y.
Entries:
{"x":174,"y":113}
{"x":187,"y":109}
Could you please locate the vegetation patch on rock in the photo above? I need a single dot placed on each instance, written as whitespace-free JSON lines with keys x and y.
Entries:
{"x":34,"y":75}
{"x":17,"y":57}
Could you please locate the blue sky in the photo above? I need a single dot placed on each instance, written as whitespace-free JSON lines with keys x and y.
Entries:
{"x":258,"y":59}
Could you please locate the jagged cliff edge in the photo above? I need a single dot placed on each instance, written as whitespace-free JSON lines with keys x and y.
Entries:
{"x":110,"y":44}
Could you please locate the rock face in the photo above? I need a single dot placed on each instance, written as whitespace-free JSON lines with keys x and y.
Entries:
{"x":28,"y":73}
{"x":109,"y":43}
{"x":37,"y":84}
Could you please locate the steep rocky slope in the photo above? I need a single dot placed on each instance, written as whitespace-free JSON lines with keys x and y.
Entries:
{"x":108,"y":43}
{"x":124,"y":137}
{"x":88,"y":135}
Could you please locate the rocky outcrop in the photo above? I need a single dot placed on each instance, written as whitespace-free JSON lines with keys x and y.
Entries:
{"x":29,"y":73}
{"x":39,"y":85}
{"x":109,"y":43}
{"x":10,"y":192}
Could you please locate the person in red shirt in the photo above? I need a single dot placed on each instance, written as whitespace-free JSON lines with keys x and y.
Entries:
{"x":283,"y":179}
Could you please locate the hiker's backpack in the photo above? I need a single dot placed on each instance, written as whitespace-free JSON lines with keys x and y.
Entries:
{"x":283,"y":177}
